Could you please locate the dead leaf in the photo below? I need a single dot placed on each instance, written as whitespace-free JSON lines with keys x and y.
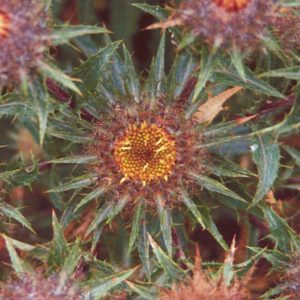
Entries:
{"x":243,"y":120}
{"x":165,"y":24}
{"x":211,"y":108}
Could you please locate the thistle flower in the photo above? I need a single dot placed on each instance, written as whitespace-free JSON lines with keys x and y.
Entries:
{"x":23,"y":39}
{"x":146,"y":150}
{"x":203,"y":286}
{"x":290,"y":282}
{"x":227,"y":23}
{"x":286,"y":27}
{"x":142,"y":144}
{"x":36,"y":286}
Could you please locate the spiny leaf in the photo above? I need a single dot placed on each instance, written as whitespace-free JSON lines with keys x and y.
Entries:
{"x":13,"y":213}
{"x":79,"y":159}
{"x":75,"y":138}
{"x":266,"y":156}
{"x":273,"y":45}
{"x":174,"y":272}
{"x":295,"y":154}
{"x":16,"y":108}
{"x":193,"y":208}
{"x":161,"y":14}
{"x":91,"y":71}
{"x":228,"y":271}
{"x":89,"y":197}
{"x":181,"y":72}
{"x":40,"y":97}
{"x":154,"y":10}
{"x":143,"y":248}
{"x":72,"y":260}
{"x":237,"y":60}
{"x":274,"y":256}
{"x":216,"y":187}
{"x":157,"y":71}
{"x":20,"y":245}
{"x":118,"y":207}
{"x":211,"y":226}
{"x":251,"y":82}
{"x":139,"y":212}
{"x":118,"y":75}
{"x":165,"y":218}
{"x":227,"y":168}
{"x":6,"y":175}
{"x":58,"y":76}
{"x":143,"y":291}
{"x":17,"y":262}
{"x":76,"y":183}
{"x":204,"y":218}
{"x":101,"y":216}
{"x":59,"y":242}
{"x":292,"y":120}
{"x":102,"y":287}
{"x":286,"y":238}
{"x":63,"y":33}
{"x":133,"y":82}
{"x":208,"y":64}
{"x":290,"y":3}
{"x":289,"y":73}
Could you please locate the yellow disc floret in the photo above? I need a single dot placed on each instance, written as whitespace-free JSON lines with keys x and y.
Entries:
{"x":4,"y":24}
{"x":232,"y":5}
{"x":145,"y":153}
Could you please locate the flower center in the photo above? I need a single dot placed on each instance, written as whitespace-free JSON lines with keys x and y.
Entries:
{"x":232,"y":5}
{"x":4,"y":24}
{"x":145,"y":153}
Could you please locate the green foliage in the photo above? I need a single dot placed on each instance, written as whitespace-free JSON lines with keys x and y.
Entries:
{"x":72,"y":224}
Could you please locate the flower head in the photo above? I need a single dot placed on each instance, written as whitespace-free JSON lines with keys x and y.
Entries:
{"x":286,"y":28}
{"x":227,"y":23}
{"x":290,"y":282}
{"x":23,"y":39}
{"x":36,"y":286}
{"x":146,"y":150}
{"x":206,"y":287}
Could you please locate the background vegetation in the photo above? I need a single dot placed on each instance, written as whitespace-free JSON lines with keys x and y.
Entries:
{"x":57,"y":224}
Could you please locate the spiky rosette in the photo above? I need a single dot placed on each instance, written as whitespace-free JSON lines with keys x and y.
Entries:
{"x":23,"y":36}
{"x":147,"y":150}
{"x":36,"y":286}
{"x":226,"y":23}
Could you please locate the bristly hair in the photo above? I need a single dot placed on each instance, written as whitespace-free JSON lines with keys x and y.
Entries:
{"x":23,"y":36}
